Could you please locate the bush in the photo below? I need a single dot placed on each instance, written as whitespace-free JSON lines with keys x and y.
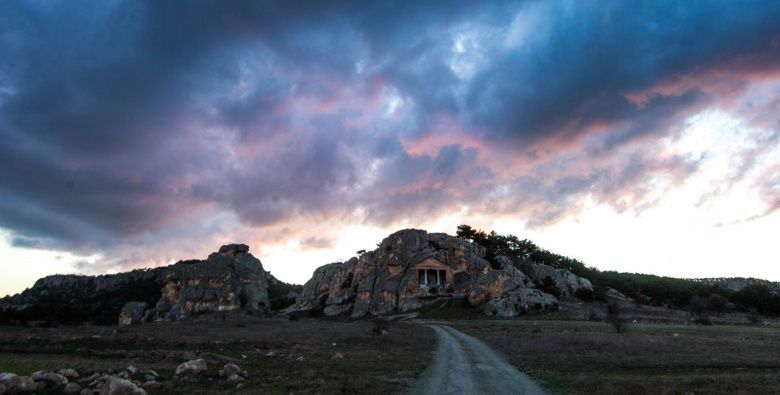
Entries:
{"x":754,"y":318}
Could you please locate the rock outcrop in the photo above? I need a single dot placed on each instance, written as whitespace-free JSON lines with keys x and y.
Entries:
{"x":567,"y":282}
{"x":412,"y":266}
{"x":228,"y":279}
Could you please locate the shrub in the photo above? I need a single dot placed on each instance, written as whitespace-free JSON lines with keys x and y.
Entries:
{"x":548,"y":285}
{"x":614,"y":317}
{"x":585,"y":294}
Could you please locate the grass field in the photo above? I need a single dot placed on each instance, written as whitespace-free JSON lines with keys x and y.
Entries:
{"x":306,"y":353}
{"x":583,"y":357}
{"x":566,"y":356}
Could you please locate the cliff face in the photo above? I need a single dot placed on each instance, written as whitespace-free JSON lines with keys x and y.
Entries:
{"x":228,"y":279}
{"x":412,"y":265}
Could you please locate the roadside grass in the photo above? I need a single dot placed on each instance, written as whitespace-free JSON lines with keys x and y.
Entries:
{"x":583,"y":357}
{"x":309,"y":356}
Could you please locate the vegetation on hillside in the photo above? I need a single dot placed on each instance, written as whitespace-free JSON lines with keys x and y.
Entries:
{"x":644,"y":288}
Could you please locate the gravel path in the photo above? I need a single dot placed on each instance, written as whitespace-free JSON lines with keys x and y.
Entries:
{"x":465,"y":365}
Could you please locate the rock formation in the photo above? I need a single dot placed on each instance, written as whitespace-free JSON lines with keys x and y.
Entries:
{"x":228,"y":279}
{"x":411,"y":266}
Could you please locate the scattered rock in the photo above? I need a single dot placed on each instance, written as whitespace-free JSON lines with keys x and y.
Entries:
{"x":234,"y":379}
{"x":132,"y":370}
{"x":55,"y":378}
{"x":191,"y":368}
{"x":270,"y":354}
{"x":71,"y":374}
{"x":151,"y":375}
{"x":151,"y":384}
{"x":239,"y":386}
{"x":299,"y":359}
{"x":91,"y":378}
{"x":116,"y":386}
{"x":337,"y":355}
{"x":72,"y":388}
{"x":230,"y":369}
{"x":14,"y":383}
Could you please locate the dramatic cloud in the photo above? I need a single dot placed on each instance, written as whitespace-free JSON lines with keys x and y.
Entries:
{"x":136,"y":130}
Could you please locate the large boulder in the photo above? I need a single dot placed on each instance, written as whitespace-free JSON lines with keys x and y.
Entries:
{"x":411,"y":266}
{"x":132,"y":313}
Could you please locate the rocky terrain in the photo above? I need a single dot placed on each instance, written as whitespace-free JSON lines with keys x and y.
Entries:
{"x":412,"y":266}
{"x":128,"y":381}
{"x":228,"y":279}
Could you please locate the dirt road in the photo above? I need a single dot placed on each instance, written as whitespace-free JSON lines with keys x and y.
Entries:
{"x":465,"y":365}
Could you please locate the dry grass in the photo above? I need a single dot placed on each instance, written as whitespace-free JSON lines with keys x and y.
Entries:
{"x":370,"y":364}
{"x":580,"y":357}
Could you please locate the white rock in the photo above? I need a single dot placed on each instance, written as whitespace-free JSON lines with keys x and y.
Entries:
{"x":192,"y":368}
{"x":132,"y":370}
{"x":117,"y":386}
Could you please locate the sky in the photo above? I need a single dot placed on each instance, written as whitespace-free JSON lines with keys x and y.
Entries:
{"x":635,"y":136}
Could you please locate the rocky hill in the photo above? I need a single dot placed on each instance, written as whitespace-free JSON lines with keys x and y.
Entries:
{"x":228,"y":279}
{"x":412,"y":266}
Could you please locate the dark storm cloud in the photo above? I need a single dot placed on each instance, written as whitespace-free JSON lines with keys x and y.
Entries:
{"x":120,"y":118}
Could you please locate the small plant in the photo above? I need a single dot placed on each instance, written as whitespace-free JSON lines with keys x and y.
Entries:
{"x":381,"y":325}
{"x":614,"y":317}
{"x":754,"y":318}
